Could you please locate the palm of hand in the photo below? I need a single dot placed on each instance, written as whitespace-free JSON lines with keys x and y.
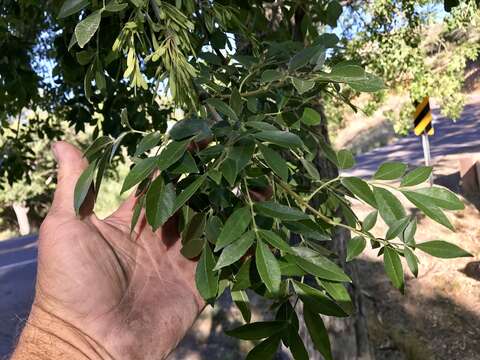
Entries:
{"x":120,"y":290}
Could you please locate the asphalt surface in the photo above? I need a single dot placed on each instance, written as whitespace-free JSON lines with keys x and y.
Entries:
{"x":18,"y":256}
{"x":460,"y":137}
{"x":18,"y":265}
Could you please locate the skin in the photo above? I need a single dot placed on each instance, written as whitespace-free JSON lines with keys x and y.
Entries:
{"x":102,"y":293}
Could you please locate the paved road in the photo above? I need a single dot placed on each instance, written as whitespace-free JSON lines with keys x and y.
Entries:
{"x":18,"y":263}
{"x":461,"y":137}
{"x":18,"y":256}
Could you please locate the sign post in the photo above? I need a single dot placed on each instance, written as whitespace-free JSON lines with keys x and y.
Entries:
{"x":423,"y":126}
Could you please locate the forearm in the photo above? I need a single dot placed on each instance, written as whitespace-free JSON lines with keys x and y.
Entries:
{"x":48,"y":338}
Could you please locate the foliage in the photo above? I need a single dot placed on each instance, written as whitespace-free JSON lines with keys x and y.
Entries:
{"x":241,"y":168}
{"x":417,"y":49}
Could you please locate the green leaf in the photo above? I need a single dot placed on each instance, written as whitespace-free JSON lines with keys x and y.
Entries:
{"x":360,"y":188}
{"x":186,"y":165}
{"x":334,"y":10}
{"x":242,"y":278}
{"x":345,"y":159}
{"x":140,"y":171}
{"x":409,"y":233}
{"x":279,"y":211}
{"x":193,"y":248}
{"x":389,"y":207}
{"x":205,"y":278}
{"x":213,"y":228}
{"x":427,"y":206}
{"x":417,"y":176}
{"x":302,"y":86}
{"x":236,"y":101}
{"x":160,"y":201}
{"x":241,"y":155}
{"x":148,"y":142}
{"x":339,"y":293}
{"x":172,"y":153}
{"x":318,"y":333}
{"x":83,"y":185}
{"x":71,"y":7}
{"x":393,"y":267}
{"x":86,"y":28}
{"x":297,"y":347}
{"x":275,"y":161}
{"x":190,"y":127}
{"x":288,"y":268}
{"x":100,"y":80}
{"x":85,"y":57}
{"x":229,"y":171}
{"x":355,"y":76}
{"x":412,"y":260}
{"x":442,"y":249}
{"x":98,"y":145}
{"x":87,"y":82}
{"x":192,"y":237}
{"x":438,"y":196}
{"x":265,"y":350}
{"x":310,"y":117}
{"x":260,"y":125}
{"x":308,"y":228}
{"x":268,"y":268}
{"x":124,"y":118}
{"x":117,"y":143}
{"x":114,"y":6}
{"x":240,"y":298}
{"x":235,"y":250}
{"x":281,"y":138}
{"x":223,"y":108}
{"x":234,"y":227}
{"x":257,"y":330}
{"x":311,"y":169}
{"x":320,"y":266}
{"x":136,"y":213}
{"x":186,"y":194}
{"x":355,"y":247}
{"x":370,"y":220}
{"x":270,"y":76}
{"x":397,"y":228}
{"x":215,"y":175}
{"x":303,"y":57}
{"x":275,"y":241}
{"x":317,"y":301}
{"x":390,"y":171}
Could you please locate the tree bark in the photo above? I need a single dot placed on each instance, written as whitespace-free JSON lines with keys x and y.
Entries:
{"x":348,"y":336}
{"x":21,"y":213}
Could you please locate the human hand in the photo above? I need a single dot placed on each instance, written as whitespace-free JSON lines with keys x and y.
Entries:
{"x":101,"y":292}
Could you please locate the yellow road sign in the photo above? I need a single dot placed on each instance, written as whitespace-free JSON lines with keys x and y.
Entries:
{"x":423,"y":118}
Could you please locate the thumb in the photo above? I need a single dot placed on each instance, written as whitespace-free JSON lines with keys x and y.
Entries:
{"x":71,"y":164}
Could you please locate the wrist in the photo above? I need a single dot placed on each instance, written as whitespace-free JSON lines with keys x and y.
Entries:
{"x":46,"y":336}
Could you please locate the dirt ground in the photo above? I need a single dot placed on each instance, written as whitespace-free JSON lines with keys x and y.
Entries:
{"x":439,"y":316}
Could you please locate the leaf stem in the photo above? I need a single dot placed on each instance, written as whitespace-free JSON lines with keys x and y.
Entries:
{"x":250,"y":203}
{"x":325,"y":184}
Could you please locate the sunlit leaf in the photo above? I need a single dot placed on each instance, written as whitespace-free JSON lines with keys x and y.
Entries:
{"x":442,"y":249}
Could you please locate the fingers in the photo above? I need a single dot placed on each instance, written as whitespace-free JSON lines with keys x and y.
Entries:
{"x":126,"y":209}
{"x":71,"y":164}
{"x":261,"y":194}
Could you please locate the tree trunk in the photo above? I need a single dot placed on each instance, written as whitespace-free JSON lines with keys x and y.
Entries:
{"x":348,"y":336}
{"x":21,"y":212}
